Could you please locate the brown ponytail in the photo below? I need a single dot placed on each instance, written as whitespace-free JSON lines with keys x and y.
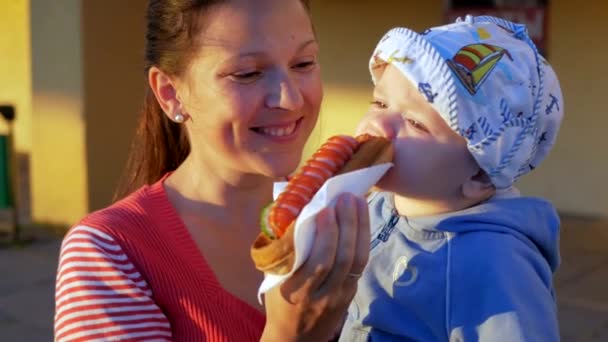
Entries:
{"x":160,"y":145}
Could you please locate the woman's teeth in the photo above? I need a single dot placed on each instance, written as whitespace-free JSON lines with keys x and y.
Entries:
{"x":279,"y":131}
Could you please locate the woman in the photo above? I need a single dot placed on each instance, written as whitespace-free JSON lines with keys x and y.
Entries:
{"x":234,"y":92}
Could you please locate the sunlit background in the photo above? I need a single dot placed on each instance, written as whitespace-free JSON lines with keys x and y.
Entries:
{"x":72,"y":69}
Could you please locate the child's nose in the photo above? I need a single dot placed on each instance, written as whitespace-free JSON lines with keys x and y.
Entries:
{"x":384,"y":125}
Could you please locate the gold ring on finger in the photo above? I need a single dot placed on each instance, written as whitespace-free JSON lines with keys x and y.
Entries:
{"x":354,"y":275}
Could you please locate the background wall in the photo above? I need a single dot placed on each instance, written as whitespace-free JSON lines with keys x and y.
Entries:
{"x":15,"y":70}
{"x":113,"y":53}
{"x":58,"y":169}
{"x":74,"y":70}
{"x":348,"y":32}
{"x":16,"y":86}
{"x":574,"y":175}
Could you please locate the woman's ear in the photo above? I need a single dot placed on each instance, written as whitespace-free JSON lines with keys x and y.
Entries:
{"x":478,"y":188}
{"x":165,"y":92}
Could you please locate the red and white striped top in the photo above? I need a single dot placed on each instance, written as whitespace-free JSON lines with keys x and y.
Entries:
{"x":131,"y":272}
{"x":100,"y":295}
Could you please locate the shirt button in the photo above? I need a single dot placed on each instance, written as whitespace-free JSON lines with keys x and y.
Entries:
{"x":404,"y":274}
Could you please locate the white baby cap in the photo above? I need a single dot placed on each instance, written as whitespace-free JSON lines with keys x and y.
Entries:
{"x":486,"y":79}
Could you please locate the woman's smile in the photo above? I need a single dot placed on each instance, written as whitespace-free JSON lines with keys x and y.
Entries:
{"x":280,"y":132}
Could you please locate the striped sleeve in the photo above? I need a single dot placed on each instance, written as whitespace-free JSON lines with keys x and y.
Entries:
{"x":100,"y":295}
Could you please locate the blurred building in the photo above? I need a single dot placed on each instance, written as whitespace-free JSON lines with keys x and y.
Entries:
{"x":74,"y":71}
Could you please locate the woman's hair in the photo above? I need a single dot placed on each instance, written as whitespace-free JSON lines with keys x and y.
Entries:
{"x":161,"y":145}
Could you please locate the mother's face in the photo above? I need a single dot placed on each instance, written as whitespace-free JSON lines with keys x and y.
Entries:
{"x":253,"y":91}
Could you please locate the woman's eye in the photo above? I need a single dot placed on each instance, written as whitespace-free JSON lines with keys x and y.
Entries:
{"x":378,"y":104}
{"x":246,"y":76}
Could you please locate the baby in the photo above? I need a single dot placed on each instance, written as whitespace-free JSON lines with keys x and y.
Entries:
{"x":457,"y":254}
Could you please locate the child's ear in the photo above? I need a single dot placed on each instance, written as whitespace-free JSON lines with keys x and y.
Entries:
{"x":478,"y":188}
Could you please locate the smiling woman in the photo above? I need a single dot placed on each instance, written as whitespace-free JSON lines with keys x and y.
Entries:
{"x":219,"y":92}
{"x":227,"y":112}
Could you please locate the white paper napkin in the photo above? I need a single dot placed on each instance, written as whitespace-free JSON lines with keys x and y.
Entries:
{"x":356,"y":182}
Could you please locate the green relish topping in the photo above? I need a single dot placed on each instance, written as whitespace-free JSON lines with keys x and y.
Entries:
{"x":265,"y":224}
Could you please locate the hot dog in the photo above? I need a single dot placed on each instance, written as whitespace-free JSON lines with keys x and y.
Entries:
{"x":273,"y":249}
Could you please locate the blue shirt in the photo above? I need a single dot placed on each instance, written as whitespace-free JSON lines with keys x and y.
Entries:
{"x":480,"y":274}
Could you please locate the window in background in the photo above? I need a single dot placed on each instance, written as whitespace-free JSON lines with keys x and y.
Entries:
{"x":532,"y":13}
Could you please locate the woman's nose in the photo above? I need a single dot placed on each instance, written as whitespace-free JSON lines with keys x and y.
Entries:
{"x":285,"y":94}
{"x":385,"y":124}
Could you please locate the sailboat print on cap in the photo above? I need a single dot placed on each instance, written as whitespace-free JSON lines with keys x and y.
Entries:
{"x":473,"y":63}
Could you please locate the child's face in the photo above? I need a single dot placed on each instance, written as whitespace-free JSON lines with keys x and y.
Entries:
{"x":431,"y":160}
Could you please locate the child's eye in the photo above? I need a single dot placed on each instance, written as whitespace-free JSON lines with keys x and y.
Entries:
{"x":246,"y":77}
{"x":305,"y":66}
{"x":416,"y":124}
{"x":378,"y":104}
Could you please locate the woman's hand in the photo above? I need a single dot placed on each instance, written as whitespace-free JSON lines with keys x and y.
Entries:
{"x":311,"y":304}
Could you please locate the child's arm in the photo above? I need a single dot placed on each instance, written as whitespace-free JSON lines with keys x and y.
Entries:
{"x":499,"y":291}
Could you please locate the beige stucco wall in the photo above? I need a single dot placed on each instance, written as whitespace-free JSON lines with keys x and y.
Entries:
{"x":348,"y":32}
{"x":16,"y":90}
{"x":58,"y":170}
{"x":86,"y":88}
{"x":15,"y":71}
{"x":87,"y":85}
{"x":113,"y":89}
{"x":574,"y":175}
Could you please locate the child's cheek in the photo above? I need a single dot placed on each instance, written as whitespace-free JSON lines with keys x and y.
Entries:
{"x":397,"y":177}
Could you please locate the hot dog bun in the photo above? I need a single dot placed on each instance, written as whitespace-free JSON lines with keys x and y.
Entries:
{"x":275,"y":254}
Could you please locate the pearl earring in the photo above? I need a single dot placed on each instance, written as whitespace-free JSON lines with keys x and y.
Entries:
{"x":179,"y":118}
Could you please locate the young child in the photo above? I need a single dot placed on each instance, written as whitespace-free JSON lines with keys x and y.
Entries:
{"x":457,"y":254}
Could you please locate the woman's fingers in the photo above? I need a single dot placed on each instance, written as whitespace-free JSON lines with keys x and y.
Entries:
{"x":309,"y":277}
{"x":321,"y":289}
{"x":341,"y":247}
{"x":363,"y":237}
{"x":347,"y":213}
